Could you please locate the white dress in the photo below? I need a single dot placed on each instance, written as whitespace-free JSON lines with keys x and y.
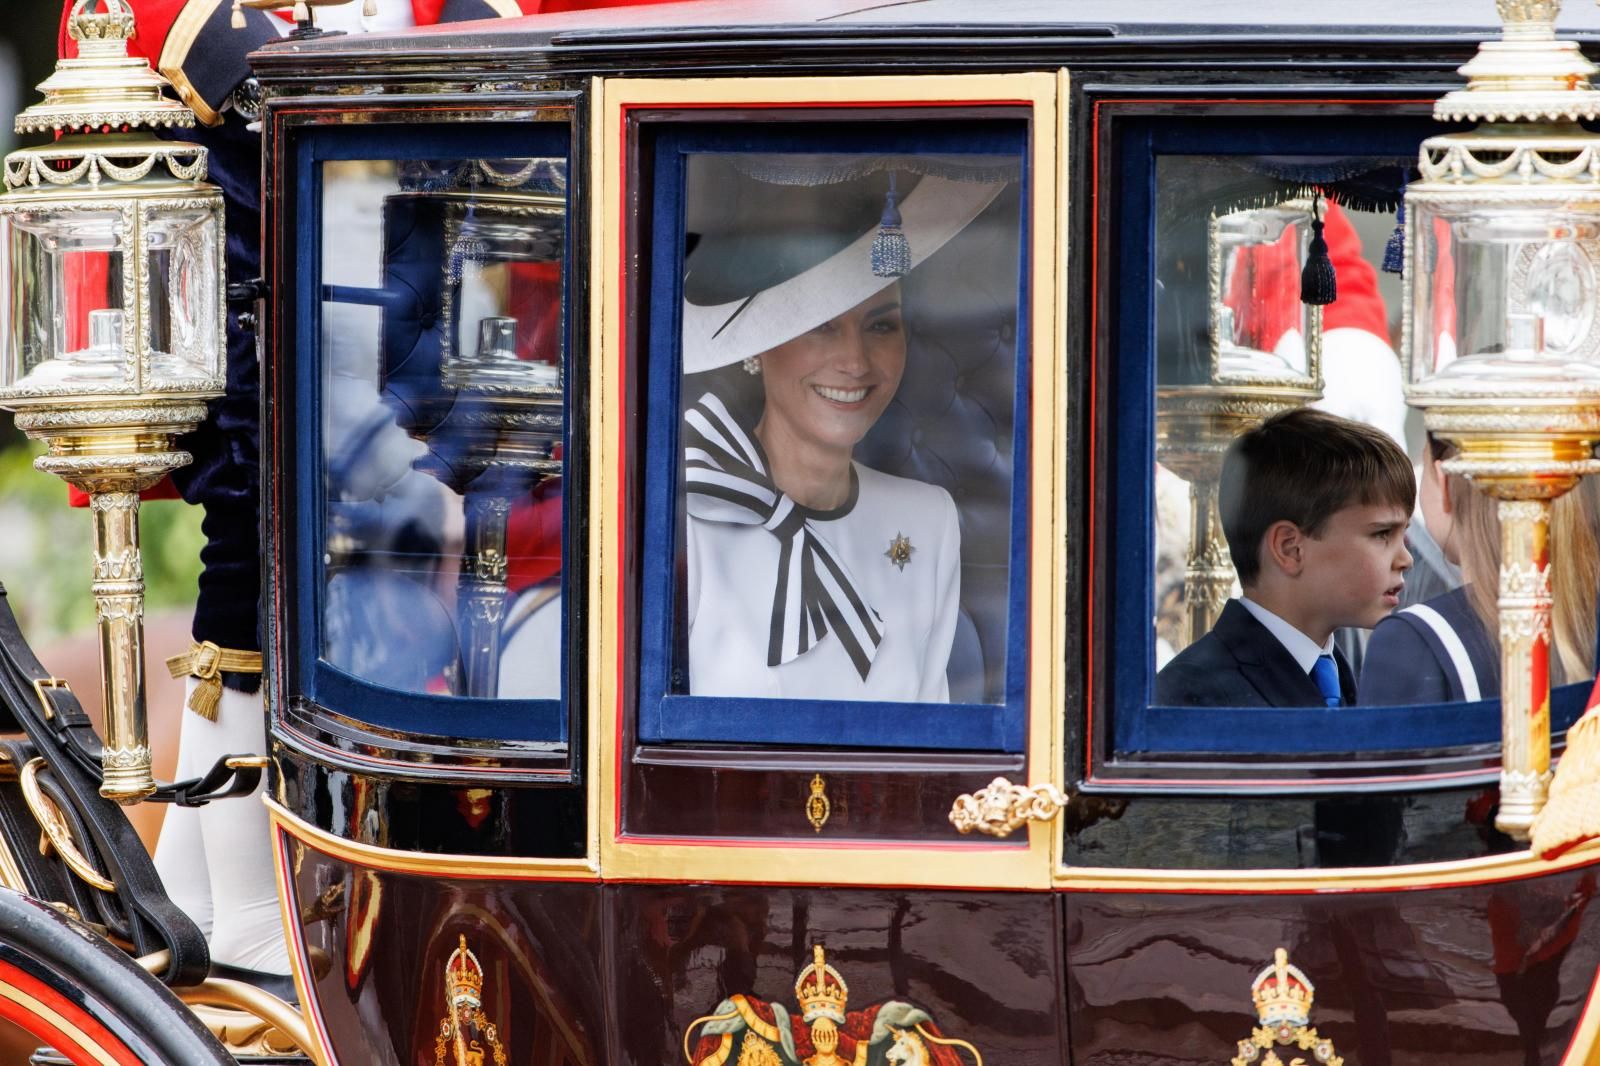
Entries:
{"x":732,"y":573}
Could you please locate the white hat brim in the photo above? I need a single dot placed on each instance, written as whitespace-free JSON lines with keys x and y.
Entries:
{"x":935,"y":211}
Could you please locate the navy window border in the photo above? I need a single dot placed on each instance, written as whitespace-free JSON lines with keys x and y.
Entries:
{"x":1176,"y":737}
{"x":457,"y":719}
{"x":665,"y":717}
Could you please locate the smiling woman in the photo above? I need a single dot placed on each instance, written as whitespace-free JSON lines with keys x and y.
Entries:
{"x":808,"y":571}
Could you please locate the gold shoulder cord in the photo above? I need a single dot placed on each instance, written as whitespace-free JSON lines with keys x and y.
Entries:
{"x":207,"y":662}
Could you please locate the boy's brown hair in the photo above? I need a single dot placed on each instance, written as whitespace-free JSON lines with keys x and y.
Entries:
{"x":1302,"y":466}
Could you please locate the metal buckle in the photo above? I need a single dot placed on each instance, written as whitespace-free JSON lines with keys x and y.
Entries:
{"x":207,"y":660}
{"x":40,"y":684}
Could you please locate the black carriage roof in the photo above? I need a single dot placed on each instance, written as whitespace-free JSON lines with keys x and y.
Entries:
{"x":1232,"y":18}
{"x":1417,"y":33}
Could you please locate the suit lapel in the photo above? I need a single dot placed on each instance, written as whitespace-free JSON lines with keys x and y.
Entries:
{"x":1267,"y":665}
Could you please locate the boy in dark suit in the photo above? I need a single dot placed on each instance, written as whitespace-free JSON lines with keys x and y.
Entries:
{"x":1315,"y":509}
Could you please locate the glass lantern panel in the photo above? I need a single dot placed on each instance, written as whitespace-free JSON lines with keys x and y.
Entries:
{"x":504,"y":256}
{"x":1259,"y":327}
{"x":184,"y":278}
{"x":442,"y":337}
{"x":1504,"y":294}
{"x":64,"y":320}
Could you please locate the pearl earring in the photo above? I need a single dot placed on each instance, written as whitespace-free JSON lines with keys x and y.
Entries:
{"x":752,"y":365}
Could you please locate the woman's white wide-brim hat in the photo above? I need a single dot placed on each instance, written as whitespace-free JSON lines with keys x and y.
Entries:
{"x":718,"y":335}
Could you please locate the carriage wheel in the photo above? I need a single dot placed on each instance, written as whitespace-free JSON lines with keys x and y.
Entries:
{"x":85,"y":998}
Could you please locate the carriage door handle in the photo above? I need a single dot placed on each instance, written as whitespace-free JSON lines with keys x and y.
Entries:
{"x":1003,"y":807}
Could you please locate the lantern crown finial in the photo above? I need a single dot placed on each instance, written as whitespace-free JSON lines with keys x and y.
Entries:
{"x":113,"y":21}
{"x":1527,"y":75}
{"x":104,"y":88}
{"x":1528,"y":20}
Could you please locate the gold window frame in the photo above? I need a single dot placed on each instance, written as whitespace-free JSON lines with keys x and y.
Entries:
{"x":961,"y":862}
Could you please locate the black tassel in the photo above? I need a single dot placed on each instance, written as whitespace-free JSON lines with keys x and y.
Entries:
{"x":891,"y":253}
{"x":1394,"y":253}
{"x":1318,"y":286}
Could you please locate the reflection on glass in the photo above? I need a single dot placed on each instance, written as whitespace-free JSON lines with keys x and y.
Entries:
{"x":443,"y":423}
{"x":70,"y":268}
{"x":1265,"y":354}
{"x":1235,"y":343}
{"x":1482,"y":272}
{"x":181,"y":318}
{"x":1260,"y":330}
{"x":848,"y":351}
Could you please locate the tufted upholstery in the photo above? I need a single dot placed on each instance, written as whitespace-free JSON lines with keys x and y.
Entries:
{"x":951,"y":424}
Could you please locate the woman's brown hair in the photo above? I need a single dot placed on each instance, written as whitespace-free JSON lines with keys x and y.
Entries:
{"x":1574,"y":567}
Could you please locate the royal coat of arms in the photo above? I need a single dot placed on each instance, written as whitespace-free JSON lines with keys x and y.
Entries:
{"x":466,"y":1036}
{"x":746,"y":1031}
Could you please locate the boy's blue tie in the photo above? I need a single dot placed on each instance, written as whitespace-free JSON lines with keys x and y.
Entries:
{"x":1326,"y":674}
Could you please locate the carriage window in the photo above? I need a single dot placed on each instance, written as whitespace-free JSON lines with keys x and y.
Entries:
{"x":441,"y":332}
{"x":1308,"y":553}
{"x":835,"y":407}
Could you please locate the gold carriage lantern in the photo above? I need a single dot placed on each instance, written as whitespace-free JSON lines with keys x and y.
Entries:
{"x":1265,"y":357}
{"x":112,"y":328}
{"x":1502,"y":332}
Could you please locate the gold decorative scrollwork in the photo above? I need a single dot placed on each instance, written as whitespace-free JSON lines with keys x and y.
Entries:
{"x":54,"y":830}
{"x":1002,"y":808}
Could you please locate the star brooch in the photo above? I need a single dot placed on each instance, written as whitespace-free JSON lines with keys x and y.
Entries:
{"x":900,"y":550}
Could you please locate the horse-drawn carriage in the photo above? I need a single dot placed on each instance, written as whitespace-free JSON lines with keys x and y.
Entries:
{"x":570,"y":763}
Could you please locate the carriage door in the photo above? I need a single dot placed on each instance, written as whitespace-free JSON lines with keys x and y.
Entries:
{"x":826,"y":410}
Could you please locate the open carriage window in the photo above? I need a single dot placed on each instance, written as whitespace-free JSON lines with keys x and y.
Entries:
{"x":1260,"y":352}
{"x":433,"y":287}
{"x":836,"y":441}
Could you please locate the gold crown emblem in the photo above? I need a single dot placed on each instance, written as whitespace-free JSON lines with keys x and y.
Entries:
{"x":825,"y":995}
{"x":463,"y":978}
{"x":1282,"y":993}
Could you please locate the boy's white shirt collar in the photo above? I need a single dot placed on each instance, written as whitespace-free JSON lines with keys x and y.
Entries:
{"x":1304,"y":650}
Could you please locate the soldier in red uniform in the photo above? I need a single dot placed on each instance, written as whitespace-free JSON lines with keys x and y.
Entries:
{"x":201,"y":47}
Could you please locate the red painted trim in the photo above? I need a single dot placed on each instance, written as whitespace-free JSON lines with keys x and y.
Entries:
{"x":555,"y":105}
{"x":1095,"y":295}
{"x":1298,"y":890}
{"x":827,"y":845}
{"x":825,"y":105}
{"x":879,"y":886}
{"x":37,"y":1026}
{"x":624,"y":332}
{"x":1591,"y":1005}
{"x":1236,"y":782}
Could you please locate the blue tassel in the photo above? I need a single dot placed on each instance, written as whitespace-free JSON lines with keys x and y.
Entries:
{"x":1394,"y":253}
{"x":1318,"y":285}
{"x":891,"y":253}
{"x":465,"y":250}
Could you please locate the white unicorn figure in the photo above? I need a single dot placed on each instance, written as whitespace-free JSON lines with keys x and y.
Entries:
{"x":907,"y":1049}
{"x":910,"y":1047}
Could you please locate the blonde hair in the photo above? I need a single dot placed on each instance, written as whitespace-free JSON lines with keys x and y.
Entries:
{"x":1574,"y":569}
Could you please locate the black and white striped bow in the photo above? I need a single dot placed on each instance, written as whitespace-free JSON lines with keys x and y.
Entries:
{"x":727,"y":481}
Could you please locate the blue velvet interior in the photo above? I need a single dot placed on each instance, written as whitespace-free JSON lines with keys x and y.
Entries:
{"x":961,"y":418}
{"x":1137,"y":728}
{"x":522,"y":720}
